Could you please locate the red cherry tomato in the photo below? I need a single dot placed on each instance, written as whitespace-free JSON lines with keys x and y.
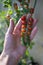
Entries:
{"x":30,"y":23}
{"x":31,"y":19}
{"x":32,"y":10}
{"x":24,"y":22}
{"x":23,"y":18}
{"x":30,"y":29}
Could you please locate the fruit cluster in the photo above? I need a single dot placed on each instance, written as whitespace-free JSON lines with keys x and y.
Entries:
{"x":26,"y":26}
{"x":26,"y":29}
{"x":23,"y":28}
{"x":30,"y":23}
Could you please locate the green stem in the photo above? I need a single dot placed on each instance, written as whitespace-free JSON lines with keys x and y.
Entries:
{"x":7,"y":22}
{"x":35,"y":3}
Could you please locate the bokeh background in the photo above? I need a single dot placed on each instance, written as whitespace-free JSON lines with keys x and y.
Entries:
{"x":37,"y":50}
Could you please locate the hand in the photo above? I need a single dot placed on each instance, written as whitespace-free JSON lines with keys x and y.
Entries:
{"x":12,"y":43}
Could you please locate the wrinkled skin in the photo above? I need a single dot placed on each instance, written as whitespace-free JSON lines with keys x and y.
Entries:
{"x":12,"y":43}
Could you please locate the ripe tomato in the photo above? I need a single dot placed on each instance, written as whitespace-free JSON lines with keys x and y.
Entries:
{"x":23,"y":26}
{"x":23,"y":18}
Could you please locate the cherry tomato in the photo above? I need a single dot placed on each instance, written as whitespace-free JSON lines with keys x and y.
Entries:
{"x":30,"y":23}
{"x":31,"y":19}
{"x":23,"y":30}
{"x":22,"y":34}
{"x":15,"y":6}
{"x":23,"y":26}
{"x":28,"y":32}
{"x":8,"y":17}
{"x":23,"y":22}
{"x":30,"y":28}
{"x":20,"y":0}
{"x":23,"y":18}
{"x":28,"y":1}
{"x":32,"y":10}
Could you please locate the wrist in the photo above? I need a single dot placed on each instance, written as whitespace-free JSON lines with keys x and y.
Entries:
{"x":3,"y":59}
{"x":6,"y":59}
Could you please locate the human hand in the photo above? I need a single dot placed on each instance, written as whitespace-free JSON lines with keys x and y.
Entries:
{"x":12,"y":43}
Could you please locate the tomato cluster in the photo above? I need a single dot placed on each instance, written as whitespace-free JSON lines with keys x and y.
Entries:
{"x":26,"y":28}
{"x":27,"y":25}
{"x":23,"y":27}
{"x":30,"y":23}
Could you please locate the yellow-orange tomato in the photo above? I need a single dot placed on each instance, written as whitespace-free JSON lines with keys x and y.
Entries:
{"x":28,"y":1}
{"x":23,"y":30}
{"x":20,"y":0}
{"x":22,"y":34}
{"x":21,"y":4}
{"x":15,"y":6}
{"x":8,"y":17}
{"x":23,"y":26}
{"x":25,"y":6}
{"x":28,"y":32}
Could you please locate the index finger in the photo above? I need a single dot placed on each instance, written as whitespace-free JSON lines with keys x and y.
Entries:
{"x":19,"y":24}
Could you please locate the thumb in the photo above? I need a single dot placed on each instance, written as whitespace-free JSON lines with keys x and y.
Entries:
{"x":11,"y":27}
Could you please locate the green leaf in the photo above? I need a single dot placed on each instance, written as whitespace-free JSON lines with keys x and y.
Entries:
{"x":7,"y":22}
{"x":23,"y":60}
{"x":10,"y":12}
{"x":31,"y":44}
{"x":5,"y":2}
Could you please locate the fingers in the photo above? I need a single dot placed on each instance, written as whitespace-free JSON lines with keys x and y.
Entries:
{"x":35,"y":22}
{"x":35,"y":29}
{"x":11,"y":27}
{"x":33,"y":33}
{"x":18,"y":25}
{"x":28,"y":16}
